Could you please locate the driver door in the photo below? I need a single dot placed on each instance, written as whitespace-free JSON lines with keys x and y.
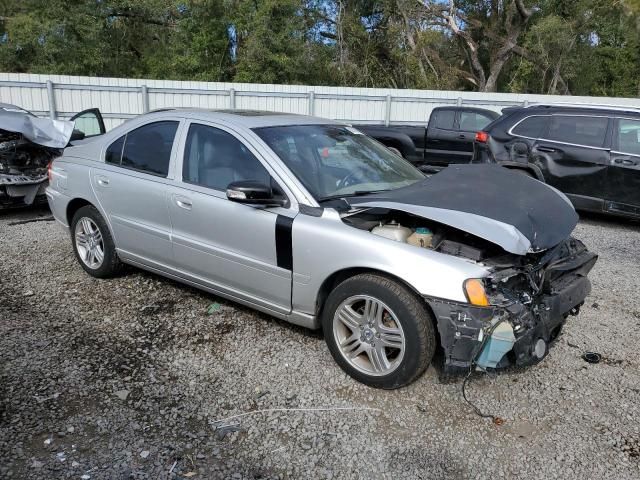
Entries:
{"x":240,"y":250}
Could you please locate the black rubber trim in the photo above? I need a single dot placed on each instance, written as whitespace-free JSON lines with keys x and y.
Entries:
{"x":311,"y":211}
{"x":284,"y":246}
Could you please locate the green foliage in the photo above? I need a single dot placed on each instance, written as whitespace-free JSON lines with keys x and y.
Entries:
{"x":586,"y":47}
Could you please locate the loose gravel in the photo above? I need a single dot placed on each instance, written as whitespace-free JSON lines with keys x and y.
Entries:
{"x":128,"y":377}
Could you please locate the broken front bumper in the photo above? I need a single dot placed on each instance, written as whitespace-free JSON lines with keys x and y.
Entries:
{"x":22,"y":189}
{"x":466,"y":331}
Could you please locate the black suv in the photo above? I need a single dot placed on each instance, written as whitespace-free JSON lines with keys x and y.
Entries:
{"x":591,"y":153}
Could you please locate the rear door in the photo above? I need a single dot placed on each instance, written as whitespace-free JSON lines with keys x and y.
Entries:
{"x":239,"y":249}
{"x":623,"y":189}
{"x":573,"y":156}
{"x":441,"y":137}
{"x":132,"y":189}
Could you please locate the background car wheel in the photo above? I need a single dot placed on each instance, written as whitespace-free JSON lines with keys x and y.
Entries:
{"x":93,"y":244}
{"x":526,"y":173}
{"x":378,"y":331}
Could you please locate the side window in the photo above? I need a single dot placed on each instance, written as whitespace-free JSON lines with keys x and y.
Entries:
{"x":148,"y":148}
{"x":589,"y":131}
{"x":114,"y":151}
{"x":444,"y":119}
{"x":473,"y":121}
{"x":628,"y":136}
{"x":89,"y":122}
{"x":532,"y":127}
{"x":214,"y":158}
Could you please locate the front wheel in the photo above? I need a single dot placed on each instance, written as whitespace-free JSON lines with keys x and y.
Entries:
{"x":378,"y":331}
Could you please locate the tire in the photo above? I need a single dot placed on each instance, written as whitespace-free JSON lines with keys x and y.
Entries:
{"x":88,"y":224}
{"x":396,"y":151}
{"x":404,"y":331}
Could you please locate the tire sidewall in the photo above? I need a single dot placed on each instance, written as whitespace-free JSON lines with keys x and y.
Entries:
{"x":412,"y":362}
{"x":108,"y":266}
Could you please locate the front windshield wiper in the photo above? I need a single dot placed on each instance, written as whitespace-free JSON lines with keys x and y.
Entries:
{"x":357,"y":193}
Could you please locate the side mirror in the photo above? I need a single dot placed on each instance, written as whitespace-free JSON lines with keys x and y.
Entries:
{"x":251,"y":192}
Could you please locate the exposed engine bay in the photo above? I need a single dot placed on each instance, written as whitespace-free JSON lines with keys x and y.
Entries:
{"x":424,"y":233}
{"x":27,"y":145}
{"x":529,"y":296}
{"x":23,"y":168}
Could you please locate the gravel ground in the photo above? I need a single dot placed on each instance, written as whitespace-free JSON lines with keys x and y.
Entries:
{"x":126,"y":378}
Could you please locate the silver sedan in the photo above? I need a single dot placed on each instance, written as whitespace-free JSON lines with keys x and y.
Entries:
{"x":313,"y":222}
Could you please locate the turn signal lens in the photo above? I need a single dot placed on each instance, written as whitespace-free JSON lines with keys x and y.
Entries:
{"x":482,"y":137}
{"x":476,"y":295}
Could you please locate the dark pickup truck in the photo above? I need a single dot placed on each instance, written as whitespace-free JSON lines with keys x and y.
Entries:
{"x":448,"y":137}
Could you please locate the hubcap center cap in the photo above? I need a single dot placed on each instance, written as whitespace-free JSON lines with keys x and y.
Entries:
{"x":367,"y":335}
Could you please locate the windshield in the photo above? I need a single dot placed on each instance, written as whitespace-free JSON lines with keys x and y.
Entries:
{"x":338,"y":161}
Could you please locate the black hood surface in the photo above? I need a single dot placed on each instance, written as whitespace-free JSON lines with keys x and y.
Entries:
{"x":514,"y":211}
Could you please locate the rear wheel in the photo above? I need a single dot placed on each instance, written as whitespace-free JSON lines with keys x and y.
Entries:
{"x":378,"y":331}
{"x":92,"y":243}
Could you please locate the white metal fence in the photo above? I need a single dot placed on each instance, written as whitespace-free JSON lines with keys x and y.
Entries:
{"x":60,"y":96}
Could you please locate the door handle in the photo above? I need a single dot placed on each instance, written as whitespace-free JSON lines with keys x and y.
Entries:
{"x":541,"y":148}
{"x":102,"y":181}
{"x":462,"y":136}
{"x":627,"y":161}
{"x":183,"y":202}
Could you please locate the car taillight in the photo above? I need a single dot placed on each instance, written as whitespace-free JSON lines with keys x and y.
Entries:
{"x":482,"y":137}
{"x":50,"y":171}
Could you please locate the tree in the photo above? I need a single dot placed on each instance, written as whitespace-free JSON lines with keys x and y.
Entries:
{"x":490,"y":33}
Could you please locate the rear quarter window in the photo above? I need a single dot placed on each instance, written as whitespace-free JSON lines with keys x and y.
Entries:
{"x":532,"y":127}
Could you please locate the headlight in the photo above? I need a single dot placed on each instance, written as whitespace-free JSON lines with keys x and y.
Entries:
{"x":474,"y":290}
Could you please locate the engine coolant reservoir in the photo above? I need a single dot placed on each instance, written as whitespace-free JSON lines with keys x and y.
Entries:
{"x":392,"y":231}
{"x":422,"y":237}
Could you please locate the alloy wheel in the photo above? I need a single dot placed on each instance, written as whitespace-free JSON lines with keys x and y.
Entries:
{"x":369,"y":335}
{"x":89,"y":243}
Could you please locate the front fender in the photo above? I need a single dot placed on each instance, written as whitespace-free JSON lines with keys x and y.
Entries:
{"x":325,"y":245}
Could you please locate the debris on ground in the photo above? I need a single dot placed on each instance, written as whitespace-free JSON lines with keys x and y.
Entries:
{"x":591,"y":357}
{"x":215,"y":307}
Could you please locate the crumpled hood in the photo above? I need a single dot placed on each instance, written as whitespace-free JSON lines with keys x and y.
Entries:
{"x":43,"y":131}
{"x":514,"y":211}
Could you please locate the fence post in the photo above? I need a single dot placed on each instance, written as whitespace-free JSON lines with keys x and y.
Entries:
{"x":145,"y":98}
{"x":459,"y":102}
{"x":387,"y":113}
{"x":232,"y":98}
{"x":52,"y":100}
{"x":312,"y":101}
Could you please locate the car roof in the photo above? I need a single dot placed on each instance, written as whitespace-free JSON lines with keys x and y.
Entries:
{"x":585,"y":107}
{"x":467,"y":108}
{"x":247,"y":118}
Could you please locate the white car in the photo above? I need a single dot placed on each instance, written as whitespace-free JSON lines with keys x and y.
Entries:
{"x":315,"y":223}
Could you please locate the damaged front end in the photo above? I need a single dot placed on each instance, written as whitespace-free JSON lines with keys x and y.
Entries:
{"x":27,"y":145}
{"x":23,"y":169}
{"x":529,"y":300}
